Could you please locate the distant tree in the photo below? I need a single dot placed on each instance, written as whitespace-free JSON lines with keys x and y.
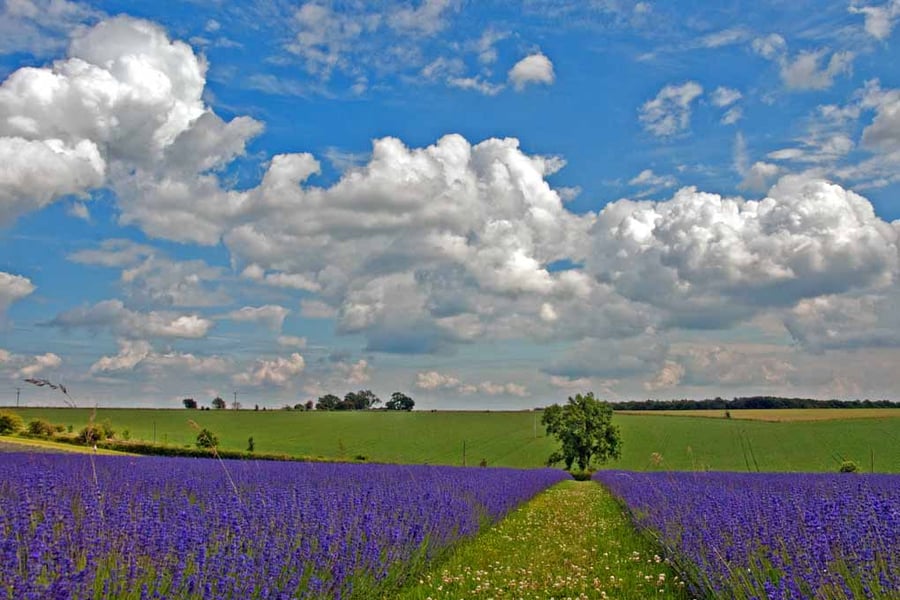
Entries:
{"x":235,"y":405}
{"x":207,"y":439}
{"x":189,"y":403}
{"x":361,"y":400}
{"x":328,"y":402}
{"x":218,"y":403}
{"x":310,"y":405}
{"x":10,"y":422}
{"x":585,"y":431}
{"x":399,"y":401}
{"x":299,"y":406}
{"x":256,"y":407}
{"x":250,"y":445}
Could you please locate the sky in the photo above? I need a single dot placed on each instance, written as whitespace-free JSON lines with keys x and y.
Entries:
{"x":484,"y":205}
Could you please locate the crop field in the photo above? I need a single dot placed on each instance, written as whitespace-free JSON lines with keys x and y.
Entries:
{"x":516,"y":439}
{"x":776,"y":415}
{"x":80,"y":527}
{"x":118,"y":527}
{"x":773,"y":536}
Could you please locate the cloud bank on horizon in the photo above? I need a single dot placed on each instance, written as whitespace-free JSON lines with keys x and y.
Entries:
{"x":311,"y":201}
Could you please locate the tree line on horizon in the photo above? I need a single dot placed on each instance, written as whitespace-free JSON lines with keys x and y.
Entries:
{"x":750,"y":402}
{"x":360,"y":400}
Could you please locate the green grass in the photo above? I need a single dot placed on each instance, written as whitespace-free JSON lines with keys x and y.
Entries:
{"x":26,"y":444}
{"x":571,"y":541}
{"x":508,"y":438}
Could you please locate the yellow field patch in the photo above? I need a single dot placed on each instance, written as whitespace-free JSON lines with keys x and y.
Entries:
{"x":26,"y":445}
{"x":779,"y":414}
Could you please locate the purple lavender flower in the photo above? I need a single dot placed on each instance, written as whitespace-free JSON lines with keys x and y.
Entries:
{"x":174,"y":528}
{"x":773,"y":535}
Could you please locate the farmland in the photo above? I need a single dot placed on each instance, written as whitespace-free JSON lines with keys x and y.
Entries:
{"x":121,"y":527}
{"x":101,"y":527}
{"x":782,"y":415}
{"x":516,"y":439}
{"x":777,"y":536}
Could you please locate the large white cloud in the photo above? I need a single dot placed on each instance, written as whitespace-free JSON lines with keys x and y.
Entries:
{"x":414,"y":236}
{"x":709,"y":261}
{"x":113,"y":315}
{"x":124,"y":109}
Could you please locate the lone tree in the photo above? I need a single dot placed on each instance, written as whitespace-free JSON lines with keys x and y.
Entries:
{"x":189,"y":403}
{"x":585,"y":431}
{"x":218,"y":403}
{"x":399,"y":401}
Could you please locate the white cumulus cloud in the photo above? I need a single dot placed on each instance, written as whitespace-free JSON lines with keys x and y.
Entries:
{"x":533,"y":69}
{"x":12,"y":289}
{"x":278,"y":372}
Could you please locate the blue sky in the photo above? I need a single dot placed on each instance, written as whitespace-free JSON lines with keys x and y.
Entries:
{"x":482,"y":204}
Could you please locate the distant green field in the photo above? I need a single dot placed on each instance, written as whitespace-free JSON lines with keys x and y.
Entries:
{"x":508,"y":438}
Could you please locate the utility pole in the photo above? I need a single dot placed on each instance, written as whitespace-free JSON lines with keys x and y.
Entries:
{"x":234,"y":406}
{"x":18,"y":391}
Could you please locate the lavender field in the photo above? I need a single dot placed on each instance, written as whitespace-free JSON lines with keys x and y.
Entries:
{"x":179,"y":528}
{"x":772,"y":535}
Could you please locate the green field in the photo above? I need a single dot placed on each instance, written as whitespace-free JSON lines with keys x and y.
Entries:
{"x":508,"y":438}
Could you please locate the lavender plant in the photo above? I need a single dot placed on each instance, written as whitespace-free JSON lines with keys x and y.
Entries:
{"x":773,"y":535}
{"x":175,"y":528}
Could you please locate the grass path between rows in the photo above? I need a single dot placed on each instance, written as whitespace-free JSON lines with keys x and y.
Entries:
{"x":572,"y":541}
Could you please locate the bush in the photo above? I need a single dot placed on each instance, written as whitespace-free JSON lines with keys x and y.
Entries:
{"x":582,"y":475}
{"x":848,"y":466}
{"x":207,"y":439}
{"x":41,"y":428}
{"x":90,"y":434}
{"x":10,"y":422}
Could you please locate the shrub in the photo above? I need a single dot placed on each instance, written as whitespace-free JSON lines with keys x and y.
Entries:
{"x":95,"y":432}
{"x":90,"y":434}
{"x":848,"y":466}
{"x":207,"y":439}
{"x":10,"y":422}
{"x":41,"y":428}
{"x":582,"y":475}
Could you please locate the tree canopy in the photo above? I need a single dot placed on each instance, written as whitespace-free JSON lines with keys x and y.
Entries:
{"x":585,"y":431}
{"x":218,"y":403}
{"x":328,"y":402}
{"x":400,"y":401}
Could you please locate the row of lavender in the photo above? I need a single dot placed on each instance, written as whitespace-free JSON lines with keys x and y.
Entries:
{"x":773,"y":535}
{"x":168,"y":527}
